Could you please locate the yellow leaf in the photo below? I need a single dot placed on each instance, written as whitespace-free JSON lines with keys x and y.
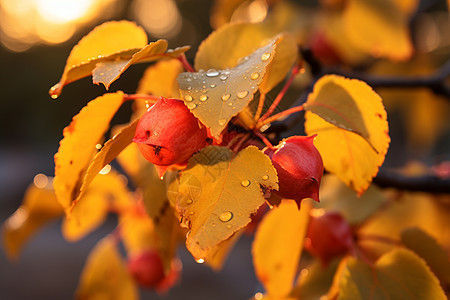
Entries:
{"x":39,"y":206}
{"x":137,"y":232}
{"x":105,"y":276}
{"x":215,"y":96}
{"x":226,"y":46}
{"x":107,"y":193}
{"x":378,"y":28}
{"x":111,"y":40}
{"x":399,"y":274}
{"x":107,"y":72}
{"x":352,"y":129}
{"x":79,"y":145}
{"x":217,"y":194}
{"x":217,"y":256}
{"x":278,"y":245}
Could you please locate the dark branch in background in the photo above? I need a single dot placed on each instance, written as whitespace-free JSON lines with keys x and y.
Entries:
{"x":428,"y":183}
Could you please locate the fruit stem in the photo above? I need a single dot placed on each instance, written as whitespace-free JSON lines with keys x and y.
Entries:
{"x":182,"y":58}
{"x":380,"y":239}
{"x":262,"y":98}
{"x":281,"y":94}
{"x":284,"y":113}
{"x":150,"y":98}
{"x":264,"y":139}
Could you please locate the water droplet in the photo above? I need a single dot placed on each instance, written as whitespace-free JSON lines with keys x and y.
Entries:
{"x":188,"y":79}
{"x":222,"y":121}
{"x":223,"y":77}
{"x":189,"y":201}
{"x":265,"y":56}
{"x":189,"y":88}
{"x":228,"y":226}
{"x":230,"y":104}
{"x":54,"y":96}
{"x":188,"y":98}
{"x":212,"y":85}
{"x":225,"y":97}
{"x":98,"y":146}
{"x":212,"y":73}
{"x":203,"y":98}
{"x":242,"y":94}
{"x":226,"y":72}
{"x":265,"y":177}
{"x":188,"y":233}
{"x":200,"y":260}
{"x":191,"y":105}
{"x":254,"y":76}
{"x":226,"y":216}
{"x":245,"y":183}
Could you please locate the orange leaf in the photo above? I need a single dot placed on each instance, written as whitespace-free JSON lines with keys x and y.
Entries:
{"x":38,"y":207}
{"x":105,"y":275}
{"x":78,"y":146}
{"x":278,"y":245}
{"x":352,"y":129}
{"x":111,"y":40}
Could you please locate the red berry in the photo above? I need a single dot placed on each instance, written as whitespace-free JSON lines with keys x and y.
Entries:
{"x":328,"y":236}
{"x":299,"y":167}
{"x":146,"y":268}
{"x":168,"y":133}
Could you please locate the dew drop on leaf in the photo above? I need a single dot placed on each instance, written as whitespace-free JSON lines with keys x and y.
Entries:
{"x":189,"y":201}
{"x":223,"y":77}
{"x":265,"y":56}
{"x":245,"y":183}
{"x":226,"y":97}
{"x":212,"y":73}
{"x":242,"y":94}
{"x":265,"y":177}
{"x":226,"y":216}
{"x":188,"y":98}
{"x":212,"y":85}
{"x":200,"y":260}
{"x":191,"y":105}
{"x":254,"y":76}
{"x":222,"y":121}
{"x":203,"y":98}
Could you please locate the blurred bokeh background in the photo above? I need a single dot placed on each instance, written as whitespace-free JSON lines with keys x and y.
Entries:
{"x":36,"y":37}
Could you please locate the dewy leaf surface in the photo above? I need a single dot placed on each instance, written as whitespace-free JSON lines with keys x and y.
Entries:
{"x":79,"y":145}
{"x":217,"y":194}
{"x":39,"y":206}
{"x":107,"y":72}
{"x":105,"y":275}
{"x":109,"y":41}
{"x":224,"y":48}
{"x":215,"y":96}
{"x":278,"y":245}
{"x":352,"y":129}
{"x":399,"y":274}
{"x":378,"y":27}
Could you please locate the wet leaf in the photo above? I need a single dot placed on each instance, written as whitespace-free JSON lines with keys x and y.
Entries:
{"x":336,"y":196}
{"x":278,"y":245}
{"x":108,"y":192}
{"x":217,"y":193}
{"x":382,"y":24}
{"x":105,"y":276}
{"x":429,"y":250}
{"x":352,"y":129}
{"x":225,"y":47}
{"x":399,"y":274}
{"x":39,"y":207}
{"x":78,"y":146}
{"x":107,"y":72}
{"x":109,"y":41}
{"x":215,"y":96}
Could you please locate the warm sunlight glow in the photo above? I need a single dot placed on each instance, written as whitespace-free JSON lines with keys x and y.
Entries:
{"x":24,"y":23}
{"x":253,"y":12}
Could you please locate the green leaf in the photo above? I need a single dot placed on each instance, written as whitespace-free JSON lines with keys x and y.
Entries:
{"x":427,"y":248}
{"x":352,"y":129}
{"x":78,"y":146}
{"x":215,"y":96}
{"x":399,"y":274}
{"x":218,"y":192}
{"x":105,"y":275}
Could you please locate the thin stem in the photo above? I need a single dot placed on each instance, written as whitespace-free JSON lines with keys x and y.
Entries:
{"x":262,"y":98}
{"x":284,"y":113}
{"x":182,"y":58}
{"x":264,"y":139}
{"x":280,"y":96}
{"x":149,"y":98}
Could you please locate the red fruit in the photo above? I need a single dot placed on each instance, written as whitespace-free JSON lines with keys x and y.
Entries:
{"x":323,"y":50}
{"x":299,"y":167}
{"x":146,"y":268}
{"x":328,"y":236}
{"x":168,"y":133}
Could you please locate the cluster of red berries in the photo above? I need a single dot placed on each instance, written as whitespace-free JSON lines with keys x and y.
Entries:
{"x":169,"y":134}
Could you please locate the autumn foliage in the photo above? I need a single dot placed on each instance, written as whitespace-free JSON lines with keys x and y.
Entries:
{"x":203,"y":157}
